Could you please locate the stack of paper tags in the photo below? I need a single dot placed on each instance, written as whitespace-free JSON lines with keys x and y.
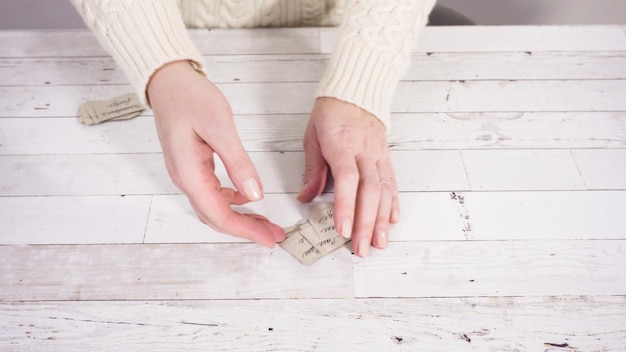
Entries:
{"x":123,"y":107}
{"x":315,"y":237}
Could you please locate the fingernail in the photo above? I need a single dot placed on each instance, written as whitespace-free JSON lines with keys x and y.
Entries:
{"x":302,"y":189}
{"x":364,"y":247}
{"x":382,"y":239}
{"x":346,"y":228}
{"x":252,"y":190}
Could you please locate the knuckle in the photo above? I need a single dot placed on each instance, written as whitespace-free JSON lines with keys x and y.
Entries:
{"x":385,"y":186}
{"x":370,"y":181}
{"x":388,"y":185}
{"x":366,"y":228}
{"x":349,"y":174}
{"x":382,"y":220}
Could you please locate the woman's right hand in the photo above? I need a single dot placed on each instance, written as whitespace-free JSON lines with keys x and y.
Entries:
{"x":194,"y":121}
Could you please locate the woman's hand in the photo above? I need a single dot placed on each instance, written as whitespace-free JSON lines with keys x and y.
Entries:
{"x":353,"y":143}
{"x":194,"y":121}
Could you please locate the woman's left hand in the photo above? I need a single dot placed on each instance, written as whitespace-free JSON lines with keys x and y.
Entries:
{"x":353,"y":143}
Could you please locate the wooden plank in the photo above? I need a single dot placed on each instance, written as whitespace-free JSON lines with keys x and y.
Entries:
{"x":509,"y":38}
{"x":510,"y":96}
{"x":544,"y":215}
{"x":38,"y":136}
{"x":602,"y":168}
{"x":241,"y":270}
{"x":115,"y":174}
{"x":72,"y":220}
{"x":282,"y":172}
{"x":582,"y":323}
{"x":425,"y":216}
{"x":314,"y":40}
{"x":522,"y":170}
{"x":518,"y":216}
{"x":296,"y":97}
{"x":60,"y":71}
{"x":31,"y":44}
{"x":172,"y":220}
{"x":309,"y":68}
{"x":147,"y":272}
{"x":493,"y":268}
{"x":415,"y":131}
{"x":509,"y":130}
{"x":523,"y":65}
{"x":84,"y":174}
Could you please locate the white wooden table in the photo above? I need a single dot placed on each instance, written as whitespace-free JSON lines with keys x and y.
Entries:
{"x":510,"y":149}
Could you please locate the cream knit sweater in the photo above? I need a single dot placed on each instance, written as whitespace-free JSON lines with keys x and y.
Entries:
{"x":375,"y":37}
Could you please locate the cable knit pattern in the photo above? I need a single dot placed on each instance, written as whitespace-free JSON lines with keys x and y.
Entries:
{"x":373,"y":48}
{"x":141,"y":35}
{"x":260,"y":13}
{"x":375,"y":42}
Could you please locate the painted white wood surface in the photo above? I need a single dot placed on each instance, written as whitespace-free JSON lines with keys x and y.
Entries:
{"x":309,"y":68}
{"x":296,"y":97}
{"x":282,"y":172}
{"x":603,"y":169}
{"x":413,"y":131}
{"x":245,"y":270}
{"x":70,"y":220}
{"x":35,"y":44}
{"x":425,"y":216}
{"x":509,"y":150}
{"x":436,"y":324}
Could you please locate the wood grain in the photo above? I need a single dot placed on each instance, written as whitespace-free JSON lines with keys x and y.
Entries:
{"x":70,"y":220}
{"x":309,"y":68}
{"x":425,"y":216}
{"x":412,"y":131}
{"x":282,"y":172}
{"x":602,"y":168}
{"x":296,"y":97}
{"x":582,"y":323}
{"x":509,"y":38}
{"x":493,"y":268}
{"x":314,"y":40}
{"x":242,"y":270}
{"x":168,"y":271}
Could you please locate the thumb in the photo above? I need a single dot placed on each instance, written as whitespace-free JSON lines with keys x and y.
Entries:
{"x":241,"y":170}
{"x":316,"y":170}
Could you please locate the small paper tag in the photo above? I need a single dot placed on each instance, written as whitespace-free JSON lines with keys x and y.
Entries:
{"x":299,"y":247}
{"x":124,"y":107}
{"x":314,"y":238}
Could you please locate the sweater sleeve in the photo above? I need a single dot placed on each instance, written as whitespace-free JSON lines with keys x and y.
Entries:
{"x":141,"y":35}
{"x":374,"y":44}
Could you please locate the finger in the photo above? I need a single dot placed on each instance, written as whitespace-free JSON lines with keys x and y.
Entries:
{"x":346,"y":176}
{"x":383,"y":217}
{"x":316,"y":169}
{"x":233,"y":197}
{"x":393,"y":187}
{"x":367,"y":205}
{"x":279,"y":236}
{"x":237,"y":162}
{"x":255,"y":227}
{"x":212,"y":204}
{"x":213,"y":210}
